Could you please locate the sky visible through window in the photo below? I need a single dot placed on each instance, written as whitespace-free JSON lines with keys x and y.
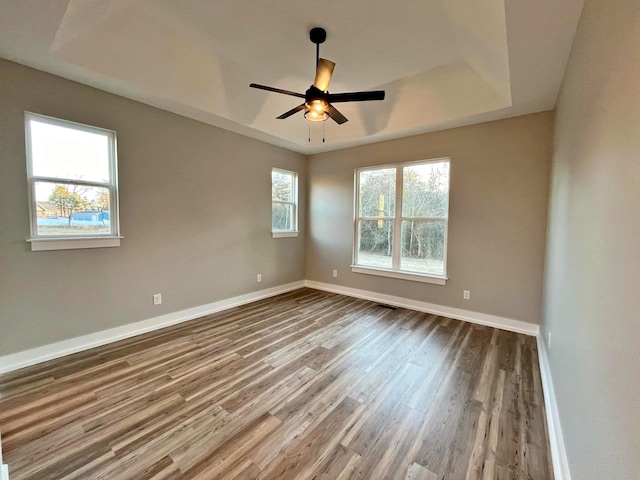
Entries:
{"x":67,"y":154}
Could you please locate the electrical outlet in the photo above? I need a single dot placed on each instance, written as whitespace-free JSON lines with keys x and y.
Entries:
{"x":259,"y":278}
{"x":466,"y":294}
{"x":335,"y":273}
{"x":157,"y":298}
{"x":549,"y":340}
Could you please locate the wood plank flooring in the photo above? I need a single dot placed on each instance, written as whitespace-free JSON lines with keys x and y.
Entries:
{"x":306,"y":385}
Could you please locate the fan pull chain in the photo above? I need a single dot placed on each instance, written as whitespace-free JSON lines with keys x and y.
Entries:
{"x":309,"y":125}
{"x":323,"y":124}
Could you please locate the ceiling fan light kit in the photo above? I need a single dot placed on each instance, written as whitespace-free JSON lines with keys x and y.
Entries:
{"x":318,"y":101}
{"x":316,"y":110}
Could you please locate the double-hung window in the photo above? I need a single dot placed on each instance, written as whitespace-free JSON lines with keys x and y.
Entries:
{"x":72,"y":174}
{"x":401,"y":217}
{"x":284,"y":203}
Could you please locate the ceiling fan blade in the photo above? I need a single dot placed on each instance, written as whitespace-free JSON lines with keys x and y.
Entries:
{"x":336,"y":115}
{"x":276,"y":90}
{"x":324,"y":70}
{"x":291,"y":112}
{"x":356,"y":96}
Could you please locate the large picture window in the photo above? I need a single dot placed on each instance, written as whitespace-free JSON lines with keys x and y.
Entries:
{"x":284,"y":203}
{"x":72,"y":183}
{"x":401,"y":221}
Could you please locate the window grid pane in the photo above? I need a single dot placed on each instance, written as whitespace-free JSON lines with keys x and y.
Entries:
{"x":423,"y":246}
{"x":377,"y":193}
{"x":67,"y":209}
{"x":426,"y":190}
{"x":58,"y":151}
{"x":282,"y":186}
{"x":375,"y":242}
{"x":281,"y":216}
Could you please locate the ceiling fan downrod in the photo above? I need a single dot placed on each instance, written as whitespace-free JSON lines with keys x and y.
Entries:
{"x":317,"y":35}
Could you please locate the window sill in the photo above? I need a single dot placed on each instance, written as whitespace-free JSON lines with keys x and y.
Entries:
{"x":414,"y":277}
{"x":42,"y":244}
{"x":283,"y":234}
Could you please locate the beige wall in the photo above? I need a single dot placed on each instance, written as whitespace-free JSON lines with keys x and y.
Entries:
{"x":195,"y":213}
{"x":592,"y":280}
{"x":498,"y":204}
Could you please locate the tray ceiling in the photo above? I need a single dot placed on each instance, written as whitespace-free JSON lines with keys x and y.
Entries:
{"x":443,"y":63}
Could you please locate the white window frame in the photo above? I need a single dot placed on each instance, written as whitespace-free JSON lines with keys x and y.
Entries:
{"x":395,"y":271}
{"x":68,"y":242}
{"x":293,"y":232}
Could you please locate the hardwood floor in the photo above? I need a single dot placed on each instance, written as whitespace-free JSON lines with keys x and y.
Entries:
{"x":306,"y":385}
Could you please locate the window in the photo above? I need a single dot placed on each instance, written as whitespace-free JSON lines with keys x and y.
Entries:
{"x":284,"y":203}
{"x":72,"y":177}
{"x":401,"y":221}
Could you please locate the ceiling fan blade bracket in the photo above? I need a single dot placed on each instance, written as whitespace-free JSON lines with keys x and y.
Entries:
{"x":314,"y":93}
{"x":356,"y":96}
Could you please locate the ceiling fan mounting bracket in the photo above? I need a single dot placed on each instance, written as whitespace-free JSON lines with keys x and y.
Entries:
{"x":318,"y":35}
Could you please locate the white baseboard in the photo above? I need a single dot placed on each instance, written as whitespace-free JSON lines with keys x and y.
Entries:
{"x":457,"y":313}
{"x":33,"y":356}
{"x":4,"y":468}
{"x":37,"y":355}
{"x":556,"y":441}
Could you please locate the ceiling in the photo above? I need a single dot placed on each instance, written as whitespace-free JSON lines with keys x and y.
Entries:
{"x":443,"y":63}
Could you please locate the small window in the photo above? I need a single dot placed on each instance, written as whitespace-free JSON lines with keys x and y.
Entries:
{"x":401,"y":221}
{"x":284,"y":203}
{"x":72,"y":184}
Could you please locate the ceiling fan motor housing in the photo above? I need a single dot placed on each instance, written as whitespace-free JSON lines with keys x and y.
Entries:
{"x":314,"y":93}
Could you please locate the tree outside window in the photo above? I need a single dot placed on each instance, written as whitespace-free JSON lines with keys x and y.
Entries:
{"x":413,"y":237}
{"x":284,"y":202}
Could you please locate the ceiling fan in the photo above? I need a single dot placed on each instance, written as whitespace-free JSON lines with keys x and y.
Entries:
{"x":318,"y":101}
